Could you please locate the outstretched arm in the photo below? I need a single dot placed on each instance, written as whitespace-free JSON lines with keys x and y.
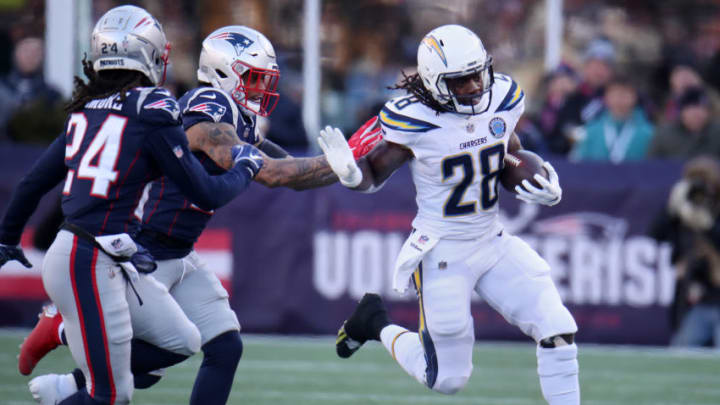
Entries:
{"x":296,"y":173}
{"x":216,"y":139}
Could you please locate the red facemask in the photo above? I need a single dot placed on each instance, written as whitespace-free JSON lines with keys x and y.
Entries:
{"x":165,"y":57}
{"x":261,"y":83}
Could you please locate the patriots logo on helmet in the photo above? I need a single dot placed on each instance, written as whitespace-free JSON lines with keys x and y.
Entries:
{"x":166,"y":104}
{"x":213,"y":110}
{"x":239,"y":41}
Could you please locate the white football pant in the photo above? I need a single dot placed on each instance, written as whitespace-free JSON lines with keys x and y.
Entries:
{"x":516,"y":282}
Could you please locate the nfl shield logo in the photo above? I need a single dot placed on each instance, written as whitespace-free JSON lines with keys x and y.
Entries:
{"x":178,"y":151}
{"x":470,"y":128}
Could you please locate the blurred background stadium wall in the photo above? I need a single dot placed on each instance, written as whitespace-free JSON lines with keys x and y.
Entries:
{"x":592,"y":71}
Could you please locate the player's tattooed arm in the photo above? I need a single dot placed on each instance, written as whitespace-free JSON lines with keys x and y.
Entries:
{"x":296,"y":173}
{"x":381,"y":162}
{"x":514,"y":143}
{"x":215,"y":139}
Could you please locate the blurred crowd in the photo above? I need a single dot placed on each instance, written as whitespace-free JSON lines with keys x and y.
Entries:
{"x":638,"y":80}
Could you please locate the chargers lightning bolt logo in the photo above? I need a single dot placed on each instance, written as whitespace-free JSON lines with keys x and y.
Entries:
{"x":239,"y":41}
{"x":432,"y":43}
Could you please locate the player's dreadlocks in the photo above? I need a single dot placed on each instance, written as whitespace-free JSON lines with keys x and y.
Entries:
{"x":413,"y":85}
{"x":104,"y":84}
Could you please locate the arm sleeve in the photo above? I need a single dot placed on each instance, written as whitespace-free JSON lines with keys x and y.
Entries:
{"x":169,"y":147}
{"x":47,"y":172}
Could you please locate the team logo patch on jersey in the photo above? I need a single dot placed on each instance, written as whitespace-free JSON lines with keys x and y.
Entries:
{"x":238,"y":41}
{"x":166,"y":104}
{"x":213,"y":110}
{"x":497,"y":127}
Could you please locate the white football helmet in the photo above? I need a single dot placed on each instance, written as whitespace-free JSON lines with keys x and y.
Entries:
{"x":129,"y":38}
{"x":451,"y":52}
{"x":241,"y":61}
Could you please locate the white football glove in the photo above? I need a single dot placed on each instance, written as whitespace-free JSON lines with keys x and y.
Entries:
{"x":339,"y":156}
{"x":550,"y":193}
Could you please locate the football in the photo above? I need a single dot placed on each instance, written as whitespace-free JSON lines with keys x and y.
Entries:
{"x":521,"y":165}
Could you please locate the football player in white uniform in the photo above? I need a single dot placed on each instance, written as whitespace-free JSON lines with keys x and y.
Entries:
{"x":454,"y":128}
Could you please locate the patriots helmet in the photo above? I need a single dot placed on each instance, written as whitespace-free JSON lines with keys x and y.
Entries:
{"x":241,"y":61}
{"x":448,"y":56}
{"x":129,"y":38}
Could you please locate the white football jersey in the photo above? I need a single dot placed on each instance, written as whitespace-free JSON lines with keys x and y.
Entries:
{"x":458,"y":159}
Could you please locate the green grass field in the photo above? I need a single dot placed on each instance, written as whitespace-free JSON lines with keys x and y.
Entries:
{"x":285,"y":370}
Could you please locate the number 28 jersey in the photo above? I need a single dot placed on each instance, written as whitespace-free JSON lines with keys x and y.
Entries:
{"x":458,"y":159}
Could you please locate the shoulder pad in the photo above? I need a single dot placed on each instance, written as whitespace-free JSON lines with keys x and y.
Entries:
{"x":511,"y":94}
{"x":208,"y":104}
{"x":157,"y":105}
{"x":399,"y":119}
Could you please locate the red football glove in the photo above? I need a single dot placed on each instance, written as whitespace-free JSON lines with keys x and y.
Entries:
{"x":365,"y":138}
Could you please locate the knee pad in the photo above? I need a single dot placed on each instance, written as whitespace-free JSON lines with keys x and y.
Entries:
{"x":227,"y":347}
{"x":558,"y":322}
{"x":450,"y":385}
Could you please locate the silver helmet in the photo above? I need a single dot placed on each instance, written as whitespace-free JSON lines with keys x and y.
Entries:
{"x":241,"y":61}
{"x":129,"y":38}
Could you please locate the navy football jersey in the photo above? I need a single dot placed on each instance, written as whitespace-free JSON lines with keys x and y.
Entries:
{"x":109,"y":151}
{"x":107,"y":166}
{"x":165,"y":210}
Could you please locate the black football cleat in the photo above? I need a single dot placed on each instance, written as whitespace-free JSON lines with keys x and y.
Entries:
{"x":365,"y":323}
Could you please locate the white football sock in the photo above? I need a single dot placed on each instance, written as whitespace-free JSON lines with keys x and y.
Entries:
{"x":558,"y":370}
{"x":406,"y":349}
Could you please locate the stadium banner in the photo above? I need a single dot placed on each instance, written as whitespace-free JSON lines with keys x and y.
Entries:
{"x":297,"y":262}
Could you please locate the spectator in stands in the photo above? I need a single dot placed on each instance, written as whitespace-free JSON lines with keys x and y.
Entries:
{"x":586,"y":102}
{"x":682,"y":78}
{"x":25,"y":96}
{"x":560,"y":84}
{"x":691,"y":223}
{"x":622,"y":132}
{"x":695,"y":133}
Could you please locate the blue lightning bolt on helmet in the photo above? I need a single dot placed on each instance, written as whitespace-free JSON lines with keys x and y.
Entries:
{"x":129,"y":38}
{"x":241,"y":61}
{"x":453,"y":53}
